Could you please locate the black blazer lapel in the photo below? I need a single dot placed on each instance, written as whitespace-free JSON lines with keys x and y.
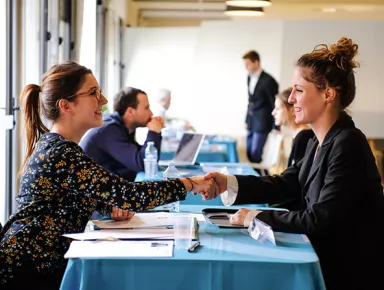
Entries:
{"x":316,"y":162}
{"x":248,"y":81}
{"x":307,"y":161}
{"x":259,"y":82}
{"x":343,"y":121}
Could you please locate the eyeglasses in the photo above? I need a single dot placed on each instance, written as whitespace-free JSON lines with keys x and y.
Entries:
{"x":95,"y":92}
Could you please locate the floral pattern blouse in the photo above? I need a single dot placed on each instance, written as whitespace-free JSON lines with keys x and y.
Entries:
{"x":60,"y":188}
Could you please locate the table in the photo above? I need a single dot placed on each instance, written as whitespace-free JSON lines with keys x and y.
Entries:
{"x":228,"y":259}
{"x":233,"y":168}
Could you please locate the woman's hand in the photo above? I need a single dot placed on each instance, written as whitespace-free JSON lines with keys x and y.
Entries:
{"x":243,"y":217}
{"x":220,"y":179}
{"x":119,"y":214}
{"x":199,"y":184}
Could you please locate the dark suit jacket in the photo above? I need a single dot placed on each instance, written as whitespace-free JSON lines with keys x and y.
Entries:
{"x":342,"y":205}
{"x":261,"y":104}
{"x":114,"y":148}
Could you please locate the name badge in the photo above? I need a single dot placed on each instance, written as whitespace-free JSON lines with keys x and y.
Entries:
{"x":260,"y":231}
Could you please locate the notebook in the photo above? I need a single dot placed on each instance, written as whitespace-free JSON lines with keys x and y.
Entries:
{"x":186,"y":153}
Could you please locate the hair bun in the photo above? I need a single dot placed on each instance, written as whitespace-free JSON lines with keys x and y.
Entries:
{"x":343,"y":53}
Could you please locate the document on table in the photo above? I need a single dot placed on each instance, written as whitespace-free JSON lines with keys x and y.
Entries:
{"x":119,"y":249}
{"x":143,"y":220}
{"x":124,"y":234}
{"x":139,"y":220}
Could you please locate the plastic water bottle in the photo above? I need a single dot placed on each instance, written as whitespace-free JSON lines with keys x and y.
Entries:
{"x":151,"y":151}
{"x":150,"y":159}
{"x":170,"y":173}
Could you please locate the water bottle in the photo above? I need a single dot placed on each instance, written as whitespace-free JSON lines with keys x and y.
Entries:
{"x":170,"y":173}
{"x":151,"y":151}
{"x":150,"y":160}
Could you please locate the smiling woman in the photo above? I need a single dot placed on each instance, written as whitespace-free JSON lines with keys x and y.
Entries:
{"x":60,"y":186}
{"x":337,"y":182}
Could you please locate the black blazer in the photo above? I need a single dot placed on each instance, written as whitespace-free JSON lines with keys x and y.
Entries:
{"x":342,"y":205}
{"x":261,"y":104}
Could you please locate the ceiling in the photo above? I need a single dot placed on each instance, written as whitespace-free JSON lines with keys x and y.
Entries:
{"x":188,"y":12}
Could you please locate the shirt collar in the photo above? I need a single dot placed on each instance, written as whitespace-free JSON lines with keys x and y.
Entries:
{"x":257,"y":73}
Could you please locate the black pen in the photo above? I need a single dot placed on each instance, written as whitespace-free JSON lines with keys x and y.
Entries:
{"x":193,"y":247}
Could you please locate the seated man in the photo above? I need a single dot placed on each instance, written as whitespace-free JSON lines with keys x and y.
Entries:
{"x":113,"y":145}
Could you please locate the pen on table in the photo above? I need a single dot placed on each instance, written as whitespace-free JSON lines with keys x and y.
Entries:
{"x":194,"y":246}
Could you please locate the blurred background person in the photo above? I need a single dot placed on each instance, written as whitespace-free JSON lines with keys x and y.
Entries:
{"x":262,"y":88}
{"x":284,"y":116}
{"x":163,"y":102}
{"x":298,"y":134}
{"x":113,"y":145}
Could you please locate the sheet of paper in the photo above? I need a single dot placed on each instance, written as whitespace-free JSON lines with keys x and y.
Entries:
{"x":261,"y":231}
{"x":139,"y":220}
{"x":127,"y":234}
{"x":119,"y":249}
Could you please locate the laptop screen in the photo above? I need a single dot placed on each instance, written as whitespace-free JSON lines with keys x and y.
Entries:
{"x":189,"y":148}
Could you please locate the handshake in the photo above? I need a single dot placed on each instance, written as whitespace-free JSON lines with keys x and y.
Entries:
{"x":209,"y":186}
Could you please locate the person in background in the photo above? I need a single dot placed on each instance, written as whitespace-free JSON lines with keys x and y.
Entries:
{"x":262,"y":89}
{"x":163,"y":102}
{"x":284,"y":115}
{"x":113,"y":145}
{"x":60,"y":186}
{"x":162,"y":105}
{"x":337,"y":181}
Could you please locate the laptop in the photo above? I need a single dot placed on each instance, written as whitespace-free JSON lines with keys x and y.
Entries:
{"x":186,"y":153}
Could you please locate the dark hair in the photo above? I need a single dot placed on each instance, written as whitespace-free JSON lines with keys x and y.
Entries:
{"x":284,"y":96}
{"x":126,"y":98}
{"x":333,"y":67}
{"x":60,"y":82}
{"x":252,"y":55}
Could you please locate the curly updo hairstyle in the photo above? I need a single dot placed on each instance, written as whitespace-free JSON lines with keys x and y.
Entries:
{"x":332,"y":66}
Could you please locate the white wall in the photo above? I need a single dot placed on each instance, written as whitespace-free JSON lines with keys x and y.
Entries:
{"x":204,"y":69}
{"x":301,"y":37}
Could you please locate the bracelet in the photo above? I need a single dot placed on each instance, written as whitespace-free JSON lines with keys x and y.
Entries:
{"x":191,"y":181}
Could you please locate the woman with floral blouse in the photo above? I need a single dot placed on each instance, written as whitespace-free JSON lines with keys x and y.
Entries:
{"x":61,"y":187}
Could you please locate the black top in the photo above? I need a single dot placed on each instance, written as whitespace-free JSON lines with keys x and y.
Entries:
{"x":342,"y":210}
{"x":299,"y":145}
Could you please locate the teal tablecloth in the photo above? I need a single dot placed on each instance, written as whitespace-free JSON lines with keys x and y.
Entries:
{"x":228,"y":259}
{"x":233,"y":168}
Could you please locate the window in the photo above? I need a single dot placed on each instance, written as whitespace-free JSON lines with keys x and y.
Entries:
{"x":3,"y":31}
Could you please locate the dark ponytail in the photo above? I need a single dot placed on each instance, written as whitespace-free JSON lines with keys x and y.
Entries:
{"x":62,"y":81}
{"x":33,"y":125}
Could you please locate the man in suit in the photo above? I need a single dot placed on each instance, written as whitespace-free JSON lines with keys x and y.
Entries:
{"x":262,"y":89}
{"x":113,"y":145}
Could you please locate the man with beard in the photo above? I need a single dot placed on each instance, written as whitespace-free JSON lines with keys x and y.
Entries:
{"x":113,"y":145}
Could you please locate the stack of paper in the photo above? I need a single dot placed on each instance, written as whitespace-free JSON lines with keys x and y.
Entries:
{"x":139,"y":220}
{"x":146,"y":233}
{"x":119,"y":249}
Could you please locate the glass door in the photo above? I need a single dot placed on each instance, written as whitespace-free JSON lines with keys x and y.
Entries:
{"x":2,"y":110}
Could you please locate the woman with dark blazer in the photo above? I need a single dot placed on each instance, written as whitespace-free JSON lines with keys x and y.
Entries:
{"x":337,"y":181}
